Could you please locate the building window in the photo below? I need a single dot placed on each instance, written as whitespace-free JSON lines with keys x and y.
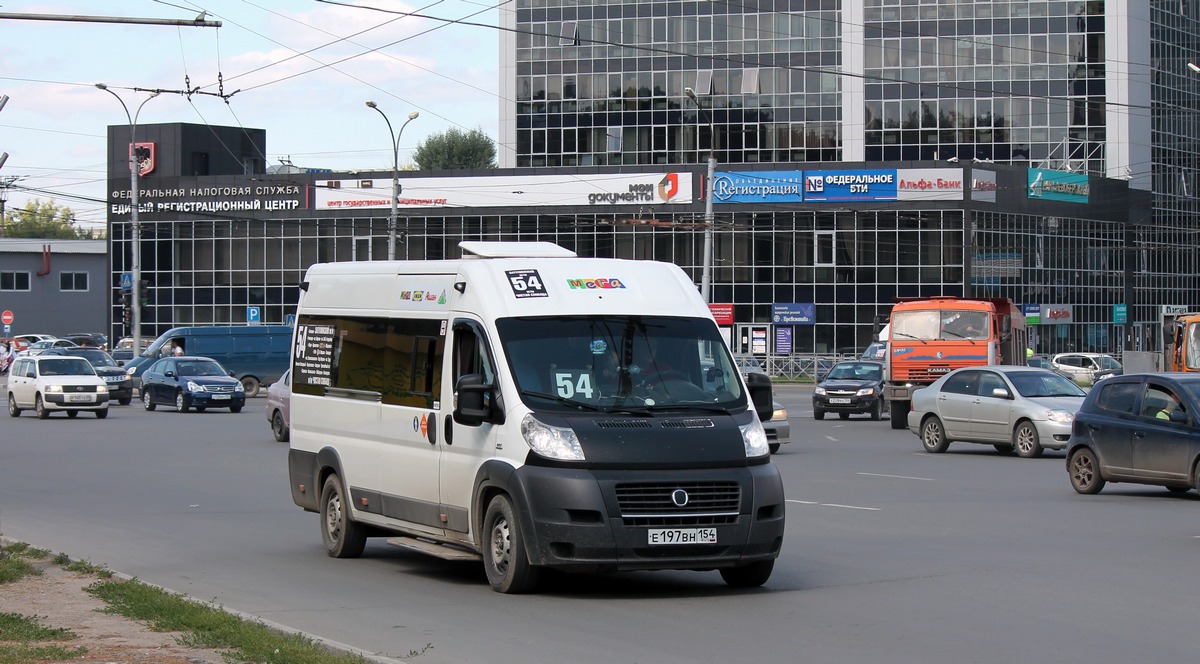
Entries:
{"x":72,"y":281}
{"x":14,"y":281}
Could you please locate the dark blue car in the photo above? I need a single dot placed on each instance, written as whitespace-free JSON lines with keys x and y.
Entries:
{"x":191,"y":382}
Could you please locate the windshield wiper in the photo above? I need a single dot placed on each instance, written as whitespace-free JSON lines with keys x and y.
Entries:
{"x":563,"y":400}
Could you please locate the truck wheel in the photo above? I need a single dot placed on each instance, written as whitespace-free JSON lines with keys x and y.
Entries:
{"x":898,"y":412}
{"x":251,"y":385}
{"x":933,"y":436}
{"x":1085,"y":471}
{"x":504,"y":555}
{"x":343,"y":538}
{"x":748,"y":576}
{"x":1026,"y":441}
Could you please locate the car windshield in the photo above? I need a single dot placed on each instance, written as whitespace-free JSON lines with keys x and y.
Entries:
{"x":1044,"y":384}
{"x":201,"y":368}
{"x":96,"y":357}
{"x":620,"y":363}
{"x":855,"y":371}
{"x":67,"y":366}
{"x":1108,"y":362}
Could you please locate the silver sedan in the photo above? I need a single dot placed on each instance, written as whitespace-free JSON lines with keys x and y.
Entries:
{"x":1010,"y":407}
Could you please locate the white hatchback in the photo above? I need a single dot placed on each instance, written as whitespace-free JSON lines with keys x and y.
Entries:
{"x":47,"y":384}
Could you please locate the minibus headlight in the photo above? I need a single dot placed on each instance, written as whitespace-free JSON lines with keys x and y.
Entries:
{"x":555,"y":442}
{"x":755,"y":439}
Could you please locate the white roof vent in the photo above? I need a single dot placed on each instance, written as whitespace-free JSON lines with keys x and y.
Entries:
{"x":514,"y":250}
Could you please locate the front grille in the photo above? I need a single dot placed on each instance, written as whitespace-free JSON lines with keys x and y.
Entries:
{"x":694,"y":423}
{"x":78,"y":388}
{"x":704,"y":499}
{"x":222,"y":388}
{"x":622,"y":424}
{"x":840,"y":393}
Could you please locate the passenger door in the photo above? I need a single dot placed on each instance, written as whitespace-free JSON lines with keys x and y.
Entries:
{"x":465,"y":448}
{"x":955,"y":402}
{"x":1160,"y":446}
{"x":1111,"y":423}
{"x":21,"y":383}
{"x":990,"y":414}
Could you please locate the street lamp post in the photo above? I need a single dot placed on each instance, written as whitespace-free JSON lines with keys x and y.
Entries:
{"x":135,"y":231}
{"x":395,"y":173}
{"x":709,"y":216}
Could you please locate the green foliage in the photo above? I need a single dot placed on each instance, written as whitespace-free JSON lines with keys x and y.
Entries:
{"x":43,"y":220}
{"x":20,"y":636}
{"x":456,"y":149}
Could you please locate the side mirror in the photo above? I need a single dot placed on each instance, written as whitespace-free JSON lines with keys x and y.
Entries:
{"x":231,"y":374}
{"x":473,"y":400}
{"x":1178,"y":415}
{"x":169,"y":374}
{"x":759,"y":386}
{"x":1001,"y":393}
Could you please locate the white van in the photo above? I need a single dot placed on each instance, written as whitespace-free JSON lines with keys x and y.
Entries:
{"x":531,"y":409}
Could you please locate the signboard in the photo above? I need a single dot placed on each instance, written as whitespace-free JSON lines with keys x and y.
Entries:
{"x":594,"y":190}
{"x":290,"y":320}
{"x":783,"y":341}
{"x":312,"y":359}
{"x":1120,"y":314}
{"x":1057,"y":313}
{"x":793,"y":313}
{"x":175,"y":196}
{"x":983,"y":186}
{"x":1033,"y":314}
{"x":849,"y":186}
{"x":126,"y":281}
{"x":1050,"y":185}
{"x":723,"y":313}
{"x":1173,"y":309}
{"x":758,"y":187}
{"x":253,"y":316}
{"x":929,"y":184}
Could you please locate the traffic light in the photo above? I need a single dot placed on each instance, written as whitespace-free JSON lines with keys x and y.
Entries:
{"x":125,"y":314}
{"x":125,"y":299}
{"x":144,"y":292}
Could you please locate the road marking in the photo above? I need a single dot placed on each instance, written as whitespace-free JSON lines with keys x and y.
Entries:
{"x":899,"y":477}
{"x":831,"y":439}
{"x":849,"y":507}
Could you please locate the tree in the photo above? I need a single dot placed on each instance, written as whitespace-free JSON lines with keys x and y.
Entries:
{"x":44,"y":220}
{"x":456,"y":149}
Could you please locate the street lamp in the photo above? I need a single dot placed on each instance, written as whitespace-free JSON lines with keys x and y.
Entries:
{"x":395,"y":173}
{"x":135,"y":263}
{"x":709,"y":217}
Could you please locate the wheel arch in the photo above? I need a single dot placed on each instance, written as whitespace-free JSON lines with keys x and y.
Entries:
{"x":497,"y":477}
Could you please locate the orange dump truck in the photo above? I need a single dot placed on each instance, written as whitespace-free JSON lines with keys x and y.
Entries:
{"x":928,"y":338}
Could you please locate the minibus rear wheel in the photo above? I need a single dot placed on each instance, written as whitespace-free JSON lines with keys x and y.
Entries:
{"x":343,"y":537}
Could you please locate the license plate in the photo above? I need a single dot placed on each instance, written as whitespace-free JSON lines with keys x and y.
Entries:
{"x":79,"y":397}
{"x":661,"y":536}
{"x":839,"y":400}
{"x":218,"y":397}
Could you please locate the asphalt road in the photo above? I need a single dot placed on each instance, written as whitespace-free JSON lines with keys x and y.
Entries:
{"x":892,"y":555}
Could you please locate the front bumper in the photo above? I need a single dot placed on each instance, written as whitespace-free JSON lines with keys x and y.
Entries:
{"x":586,"y":521}
{"x":845,"y":403}
{"x":1053,"y":435}
{"x":216,"y":399}
{"x":67,"y":401}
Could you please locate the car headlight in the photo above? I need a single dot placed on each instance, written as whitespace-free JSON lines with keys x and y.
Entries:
{"x":755,"y":439}
{"x":239,"y":387}
{"x":195,"y":387}
{"x":866,"y":392}
{"x":553,"y":442}
{"x":102,"y":389}
{"x":819,"y":390}
{"x":779,"y":414}
{"x":130,"y":371}
{"x":54,"y":388}
{"x":1060,"y":416}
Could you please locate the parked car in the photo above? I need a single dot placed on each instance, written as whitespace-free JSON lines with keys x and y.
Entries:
{"x":850,"y":387}
{"x":37,"y":347}
{"x":47,"y":384}
{"x":123,"y":352}
{"x":1040,"y":362}
{"x":279,"y":398}
{"x":120,"y":385}
{"x":778,"y":428}
{"x":88,"y":339}
{"x":23,"y":340}
{"x":1009,"y":407}
{"x":1140,"y":428}
{"x":191,"y":382}
{"x":1087,"y":368}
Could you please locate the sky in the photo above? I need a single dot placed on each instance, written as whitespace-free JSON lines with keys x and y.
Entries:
{"x":300,"y":69}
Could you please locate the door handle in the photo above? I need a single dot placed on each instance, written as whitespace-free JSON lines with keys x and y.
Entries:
{"x":447,"y":431}
{"x":1139,"y":434}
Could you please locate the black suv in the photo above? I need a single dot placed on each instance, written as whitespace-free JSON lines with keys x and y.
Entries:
{"x":88,"y":339}
{"x":120,"y":385}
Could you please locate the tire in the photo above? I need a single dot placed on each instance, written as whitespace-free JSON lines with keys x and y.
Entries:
{"x":504,"y":555}
{"x":898,"y":414}
{"x":1003,"y":448}
{"x":102,"y":413}
{"x":342,"y":536}
{"x":13,"y":411}
{"x":1179,"y":489}
{"x":235,"y":409}
{"x":1026,"y":441}
{"x":126,"y":401}
{"x":877,"y":411}
{"x":40,"y":408}
{"x":147,"y":400}
{"x":818,"y":414}
{"x":748,"y":576}
{"x":933,"y":436}
{"x":1084,"y":470}
{"x":281,"y":431}
{"x":181,"y":402}
{"x":200,"y":409}
{"x":72,"y":414}
{"x":774,"y":447}
{"x":844,"y":416}
{"x":251,"y":385}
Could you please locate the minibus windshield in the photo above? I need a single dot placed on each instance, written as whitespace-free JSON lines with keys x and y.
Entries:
{"x":620,"y":363}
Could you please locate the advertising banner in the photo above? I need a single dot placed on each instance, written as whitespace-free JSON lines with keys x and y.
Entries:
{"x":983,"y":186}
{"x":759,"y":187}
{"x":1053,"y":314}
{"x":722,"y":313}
{"x":794,"y":313}
{"x":783,"y":341}
{"x":848,"y":186}
{"x":1033,"y":314}
{"x":1050,"y":185}
{"x":929,"y":184}
{"x":594,"y":190}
